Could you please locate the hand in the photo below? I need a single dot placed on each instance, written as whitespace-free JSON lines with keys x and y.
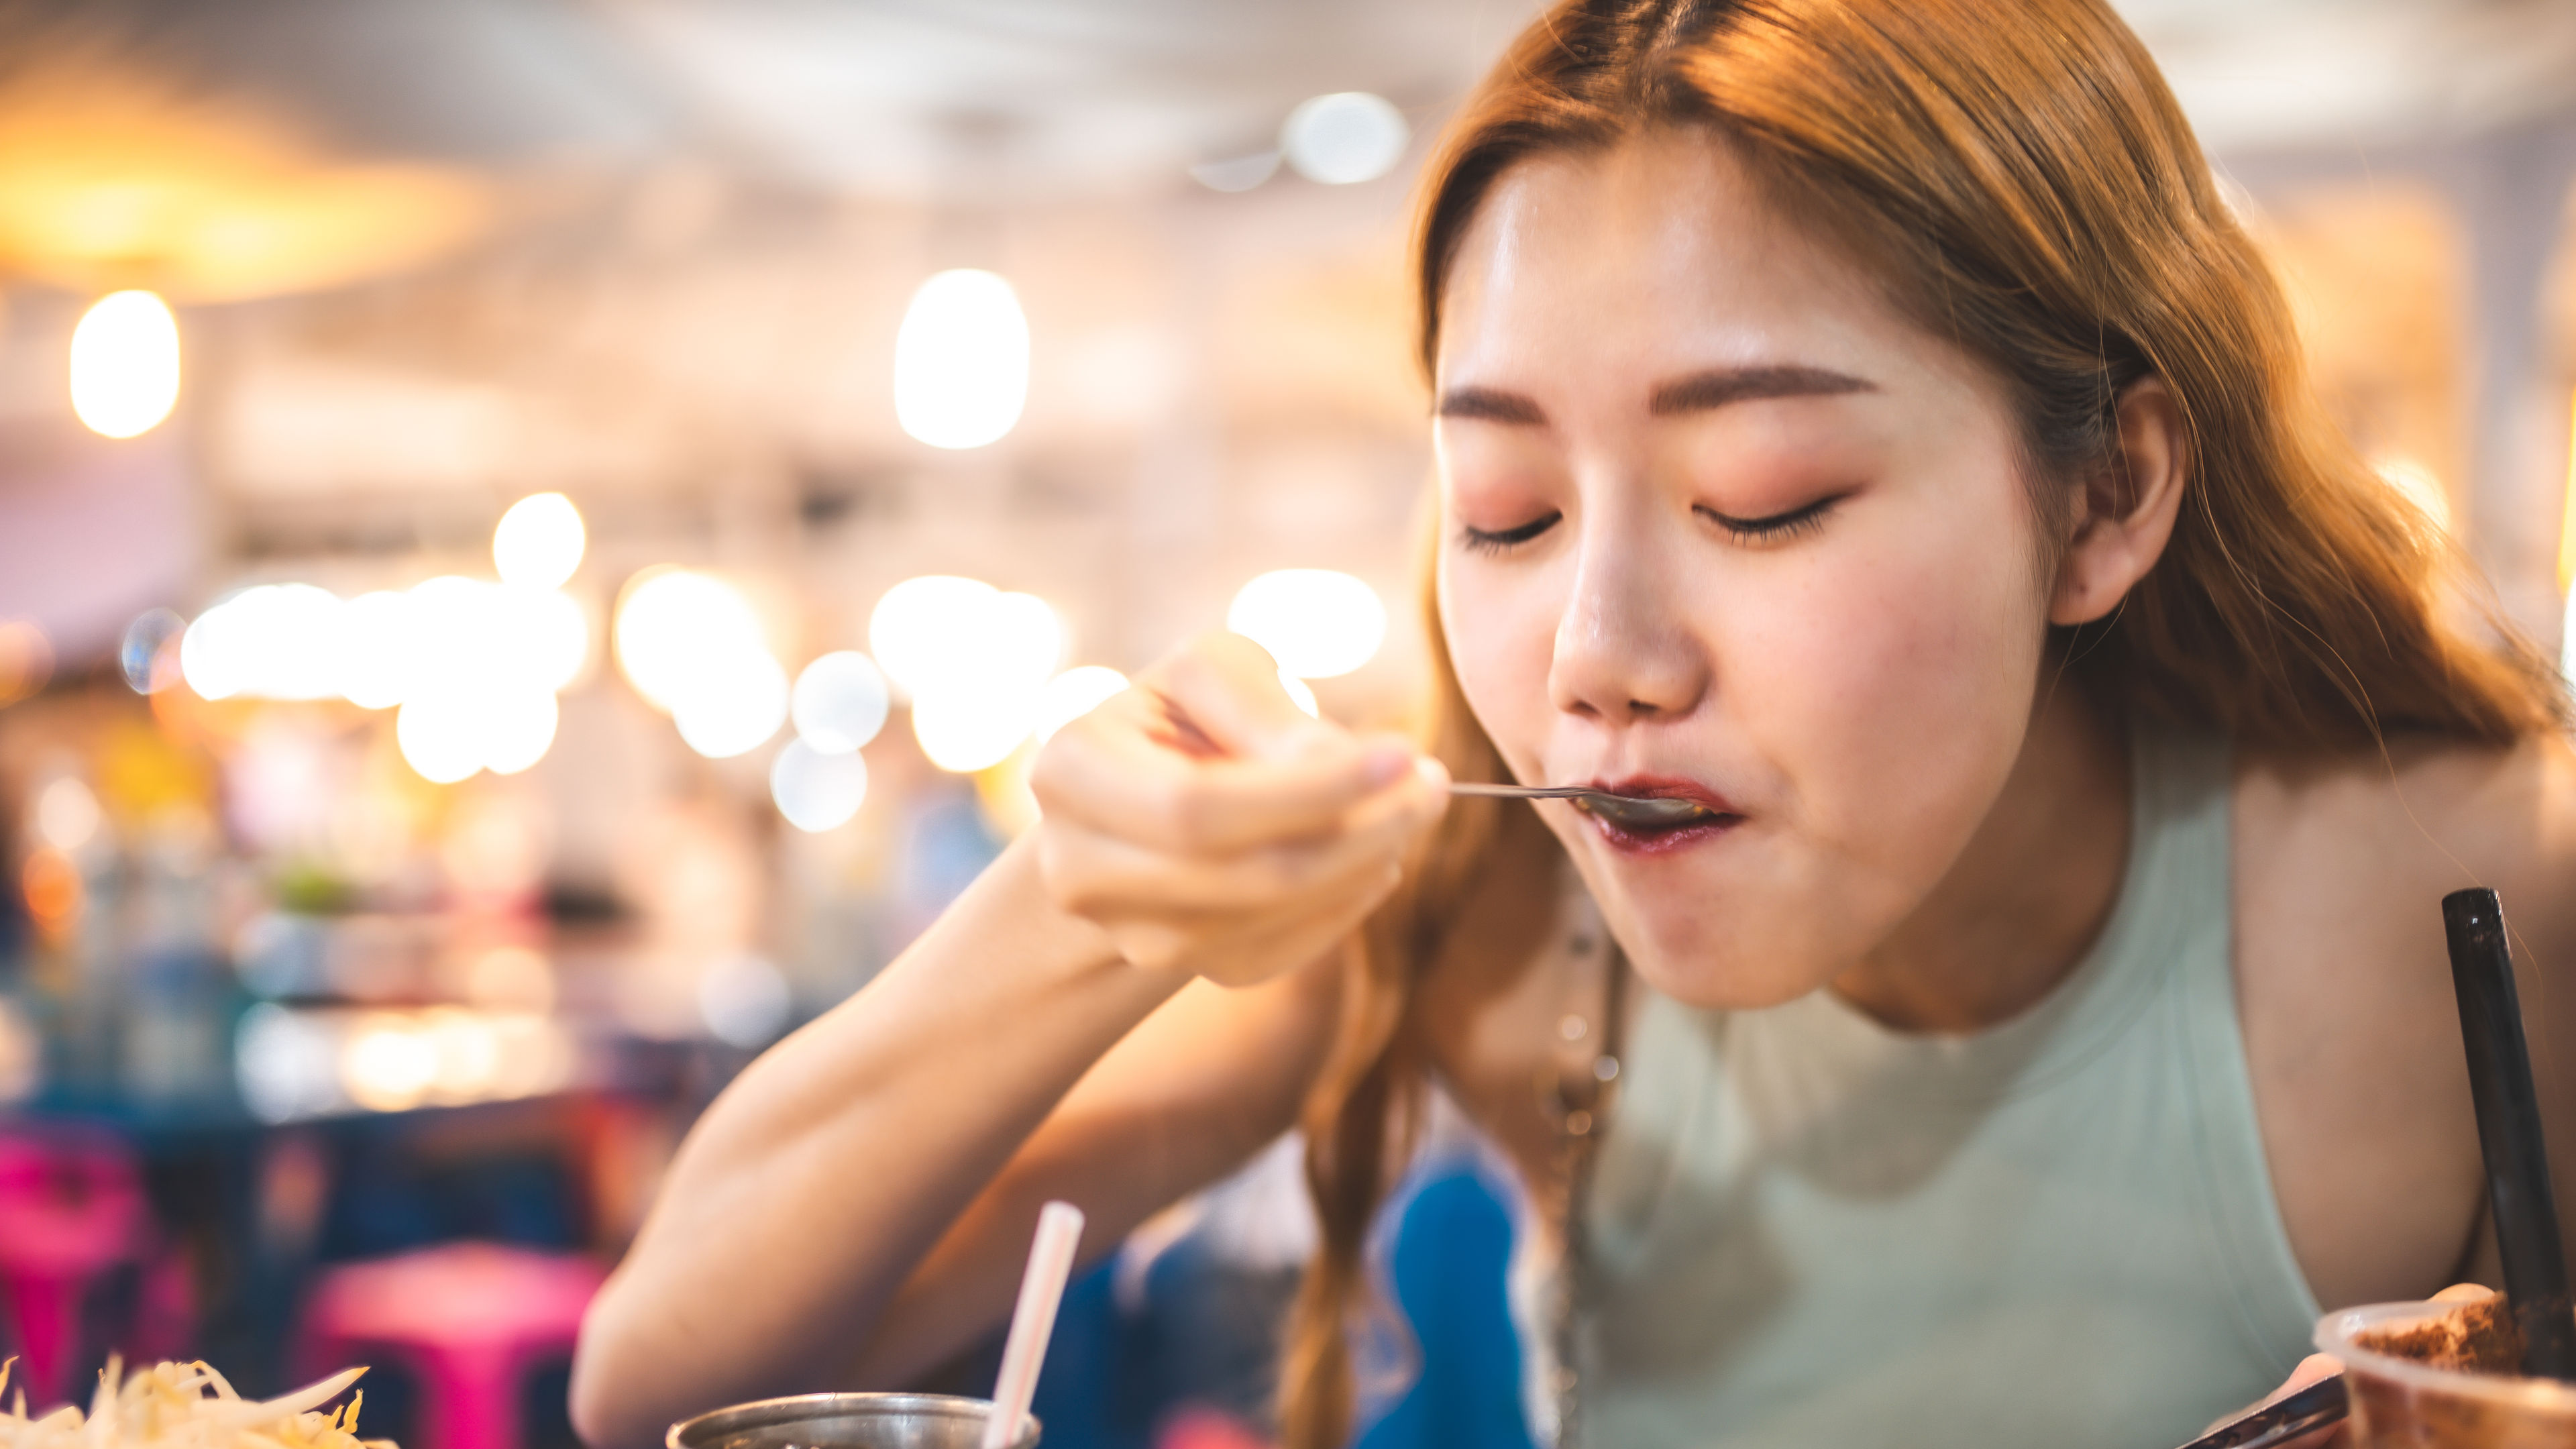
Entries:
{"x":2320,"y":1366}
{"x":1210,"y":826}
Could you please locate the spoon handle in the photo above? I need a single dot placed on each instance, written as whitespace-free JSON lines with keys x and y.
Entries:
{"x":1521,"y":792}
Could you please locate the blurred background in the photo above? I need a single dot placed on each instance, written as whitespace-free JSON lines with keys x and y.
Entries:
{"x":537,"y":538}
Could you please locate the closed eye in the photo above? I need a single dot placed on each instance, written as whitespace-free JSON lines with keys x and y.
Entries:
{"x":1774,"y":527}
{"x":1480,"y":540}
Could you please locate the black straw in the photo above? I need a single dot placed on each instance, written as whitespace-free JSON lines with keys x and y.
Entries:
{"x":2526,"y":1214}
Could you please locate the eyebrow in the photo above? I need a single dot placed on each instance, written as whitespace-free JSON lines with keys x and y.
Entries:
{"x":1702,"y":391}
{"x":1699,"y":392}
{"x":1491,"y":404}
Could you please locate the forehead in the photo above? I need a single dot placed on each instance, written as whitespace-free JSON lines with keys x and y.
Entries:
{"x":1662,"y":249}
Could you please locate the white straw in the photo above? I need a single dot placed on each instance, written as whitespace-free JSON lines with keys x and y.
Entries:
{"x":1050,"y":1263}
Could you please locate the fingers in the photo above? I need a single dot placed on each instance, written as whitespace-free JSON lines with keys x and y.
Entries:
{"x":2315,"y":1368}
{"x":1101,"y":874}
{"x":1122,"y":771}
{"x":2462,"y":1293}
{"x":1208,"y":824}
{"x":1228,"y":687}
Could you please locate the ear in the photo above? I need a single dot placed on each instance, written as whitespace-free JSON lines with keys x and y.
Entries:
{"x":2124,"y":513}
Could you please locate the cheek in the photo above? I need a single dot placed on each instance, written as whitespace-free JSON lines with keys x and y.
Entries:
{"x":1899,"y":678}
{"x":1501,"y":631}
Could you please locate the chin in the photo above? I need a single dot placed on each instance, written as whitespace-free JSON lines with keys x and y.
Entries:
{"x":1720,"y":919}
{"x":1701,"y":961}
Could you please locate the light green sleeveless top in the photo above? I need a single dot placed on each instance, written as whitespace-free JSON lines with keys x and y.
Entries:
{"x":1809,"y":1230}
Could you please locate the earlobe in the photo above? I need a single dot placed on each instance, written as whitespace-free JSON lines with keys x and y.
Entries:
{"x":2127,"y":510}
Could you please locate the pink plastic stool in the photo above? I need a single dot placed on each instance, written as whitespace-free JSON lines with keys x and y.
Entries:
{"x":469,"y":1319}
{"x":71,"y":1209}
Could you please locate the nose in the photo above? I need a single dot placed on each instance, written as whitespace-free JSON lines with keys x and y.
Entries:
{"x":1625,"y":651}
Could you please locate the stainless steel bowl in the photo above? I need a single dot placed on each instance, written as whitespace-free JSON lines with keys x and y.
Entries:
{"x":845,"y":1421}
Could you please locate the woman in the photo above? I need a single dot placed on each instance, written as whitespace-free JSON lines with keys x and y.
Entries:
{"x":1862,"y":417}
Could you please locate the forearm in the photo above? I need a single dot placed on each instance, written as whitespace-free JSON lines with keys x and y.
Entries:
{"x":810,"y":1189}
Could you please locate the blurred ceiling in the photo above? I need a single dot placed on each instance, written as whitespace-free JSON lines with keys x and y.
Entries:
{"x":231,"y":148}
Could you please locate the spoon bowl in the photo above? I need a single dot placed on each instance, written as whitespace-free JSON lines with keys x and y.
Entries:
{"x":1629,"y":812}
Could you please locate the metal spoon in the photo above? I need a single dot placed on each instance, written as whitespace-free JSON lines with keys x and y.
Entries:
{"x":1635,"y":812}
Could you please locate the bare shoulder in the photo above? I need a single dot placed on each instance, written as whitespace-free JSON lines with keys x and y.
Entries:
{"x":2376,"y":837}
{"x":2343,"y":983}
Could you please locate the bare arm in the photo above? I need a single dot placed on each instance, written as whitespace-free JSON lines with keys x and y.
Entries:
{"x":863,"y":1194}
{"x":2352,"y":1029}
{"x":803,"y":1198}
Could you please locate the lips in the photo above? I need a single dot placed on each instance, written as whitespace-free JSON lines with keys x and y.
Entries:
{"x":1668,"y":787}
{"x":1633,"y":840}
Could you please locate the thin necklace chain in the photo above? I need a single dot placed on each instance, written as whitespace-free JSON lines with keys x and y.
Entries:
{"x":1581,"y":1104}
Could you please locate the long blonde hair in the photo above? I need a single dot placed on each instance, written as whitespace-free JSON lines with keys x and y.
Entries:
{"x":2026,"y":186}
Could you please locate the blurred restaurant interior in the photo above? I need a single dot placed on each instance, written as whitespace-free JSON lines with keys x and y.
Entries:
{"x":537,"y":538}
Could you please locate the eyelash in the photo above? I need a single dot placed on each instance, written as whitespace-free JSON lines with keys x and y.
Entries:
{"x":1776,"y":528}
{"x":1480,"y":540}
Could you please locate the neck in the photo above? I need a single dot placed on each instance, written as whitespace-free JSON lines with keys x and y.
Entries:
{"x":2029,"y":894}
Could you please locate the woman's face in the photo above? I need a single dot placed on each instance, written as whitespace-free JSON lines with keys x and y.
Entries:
{"x":1718,"y":521}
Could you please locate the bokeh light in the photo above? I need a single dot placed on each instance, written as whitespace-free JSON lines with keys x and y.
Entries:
{"x":442,"y":736}
{"x":692,"y":645}
{"x":511,"y":977}
{"x":271,"y":641}
{"x":473,"y":665}
{"x":142,"y":654}
{"x":386,"y":1067}
{"x":125,"y":364}
{"x":66,"y":814}
{"x":744,"y":1001}
{"x":1344,"y":137}
{"x":1316,"y":623}
{"x":1236,"y":173}
{"x":377,"y":650}
{"x":840,"y":702}
{"x":287,"y":1063}
{"x":518,"y":728}
{"x":920,"y":627}
{"x":539,"y":542}
{"x":961,"y":360}
{"x":974,"y":661}
{"x":301,"y":1062}
{"x":674,"y":626}
{"x":967,"y":731}
{"x":1075,"y":693}
{"x":465,"y":1055}
{"x":817,"y":791}
{"x":733,"y":706}
{"x":546,"y":634}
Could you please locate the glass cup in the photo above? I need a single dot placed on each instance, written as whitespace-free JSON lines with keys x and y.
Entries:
{"x":2400,"y":1403}
{"x":846,"y":1421}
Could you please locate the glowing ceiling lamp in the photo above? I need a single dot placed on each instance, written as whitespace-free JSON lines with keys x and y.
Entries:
{"x":961,"y":360}
{"x":125,"y":364}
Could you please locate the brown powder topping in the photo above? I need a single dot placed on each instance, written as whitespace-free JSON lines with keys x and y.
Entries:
{"x":2476,"y":1337}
